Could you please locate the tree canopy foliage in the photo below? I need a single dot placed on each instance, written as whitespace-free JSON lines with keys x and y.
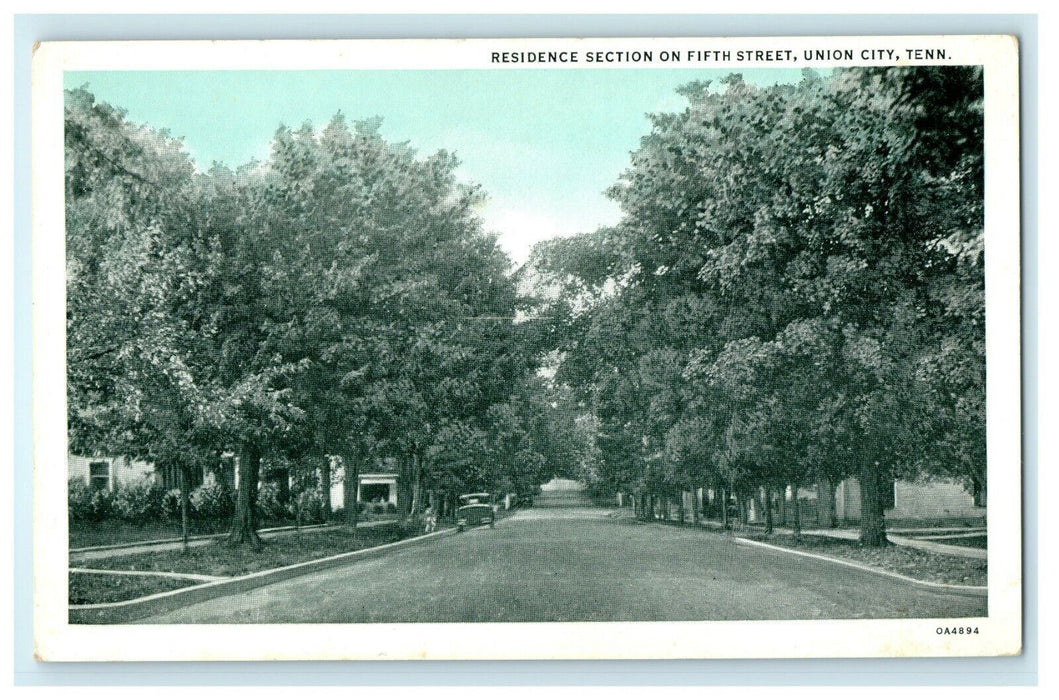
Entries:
{"x":794,"y":294}
{"x":338,"y":300}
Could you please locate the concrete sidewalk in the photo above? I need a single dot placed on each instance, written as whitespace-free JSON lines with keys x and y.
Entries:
{"x":923,"y":545}
{"x":850,"y":534}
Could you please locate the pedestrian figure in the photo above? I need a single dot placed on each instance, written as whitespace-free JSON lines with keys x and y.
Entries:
{"x":430,"y":520}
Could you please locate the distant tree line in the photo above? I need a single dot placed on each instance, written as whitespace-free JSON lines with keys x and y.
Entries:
{"x":793,"y":296}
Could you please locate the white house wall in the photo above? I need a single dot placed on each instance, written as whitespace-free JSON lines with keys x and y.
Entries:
{"x":933,"y":499}
{"x":913,"y":501}
{"x":122,"y":470}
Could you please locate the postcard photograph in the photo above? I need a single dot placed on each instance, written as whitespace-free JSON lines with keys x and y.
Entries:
{"x":602,"y":348}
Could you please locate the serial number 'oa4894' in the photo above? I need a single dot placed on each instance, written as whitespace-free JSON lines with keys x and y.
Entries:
{"x":957,"y":630}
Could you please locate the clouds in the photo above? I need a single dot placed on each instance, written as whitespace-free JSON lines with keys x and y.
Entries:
{"x":519,"y":228}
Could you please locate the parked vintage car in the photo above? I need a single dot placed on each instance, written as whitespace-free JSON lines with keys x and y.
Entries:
{"x":475,"y":510}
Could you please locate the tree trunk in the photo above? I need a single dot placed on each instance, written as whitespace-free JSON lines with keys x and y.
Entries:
{"x":417,"y":487}
{"x":872,"y":523}
{"x":826,"y":503}
{"x":404,"y":488}
{"x":696,"y":506}
{"x":244,"y":523}
{"x":832,"y":510}
{"x":680,"y":509}
{"x":768,"y":510}
{"x":724,"y":508}
{"x":325,"y":487}
{"x":783,"y":506}
{"x":797,"y":511}
{"x":743,"y":515}
{"x":282,"y":477}
{"x":351,"y":491}
{"x":184,"y":498}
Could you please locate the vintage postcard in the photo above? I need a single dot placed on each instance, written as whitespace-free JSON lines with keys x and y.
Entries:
{"x":527,"y":349}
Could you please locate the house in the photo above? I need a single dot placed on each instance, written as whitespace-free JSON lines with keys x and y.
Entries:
{"x":376,"y":486}
{"x":107,"y":473}
{"x":927,"y":500}
{"x":936,"y":499}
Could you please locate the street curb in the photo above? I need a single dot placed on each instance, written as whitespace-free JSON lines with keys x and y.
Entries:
{"x":948,"y":587}
{"x":158,"y":603}
{"x":939,"y":547}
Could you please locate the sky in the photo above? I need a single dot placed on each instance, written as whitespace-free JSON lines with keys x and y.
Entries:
{"x":543,"y":144}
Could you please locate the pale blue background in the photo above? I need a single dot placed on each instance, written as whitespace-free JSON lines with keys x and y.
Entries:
{"x":29,"y":28}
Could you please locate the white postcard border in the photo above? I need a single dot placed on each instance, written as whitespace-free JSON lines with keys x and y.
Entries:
{"x":55,"y":639}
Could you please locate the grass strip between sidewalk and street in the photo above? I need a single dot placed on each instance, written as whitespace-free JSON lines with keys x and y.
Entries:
{"x":86,"y":589}
{"x":218,"y":559}
{"x":906,"y":561}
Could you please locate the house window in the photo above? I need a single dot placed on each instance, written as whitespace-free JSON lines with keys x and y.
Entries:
{"x":374,"y":492}
{"x":99,"y":476}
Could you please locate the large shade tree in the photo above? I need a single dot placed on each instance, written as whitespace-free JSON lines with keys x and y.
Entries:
{"x":822,"y":242}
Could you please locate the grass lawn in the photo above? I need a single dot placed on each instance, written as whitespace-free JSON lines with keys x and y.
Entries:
{"x":117,"y":532}
{"x":102,"y":588}
{"x":976,"y":541}
{"x":925,"y":566}
{"x":222,"y":559}
{"x":110,"y":532}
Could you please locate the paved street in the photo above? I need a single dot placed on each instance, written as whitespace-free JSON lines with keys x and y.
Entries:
{"x":577,"y":564}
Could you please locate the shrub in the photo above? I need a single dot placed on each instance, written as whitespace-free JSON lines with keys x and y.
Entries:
{"x":78,"y":496}
{"x":312,"y":507}
{"x":171,"y":505}
{"x":85,"y":504}
{"x":212,"y":501}
{"x":140,"y":502}
{"x":377,"y":508}
{"x":268,"y":505}
{"x":391,"y":508}
{"x":318,"y":508}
